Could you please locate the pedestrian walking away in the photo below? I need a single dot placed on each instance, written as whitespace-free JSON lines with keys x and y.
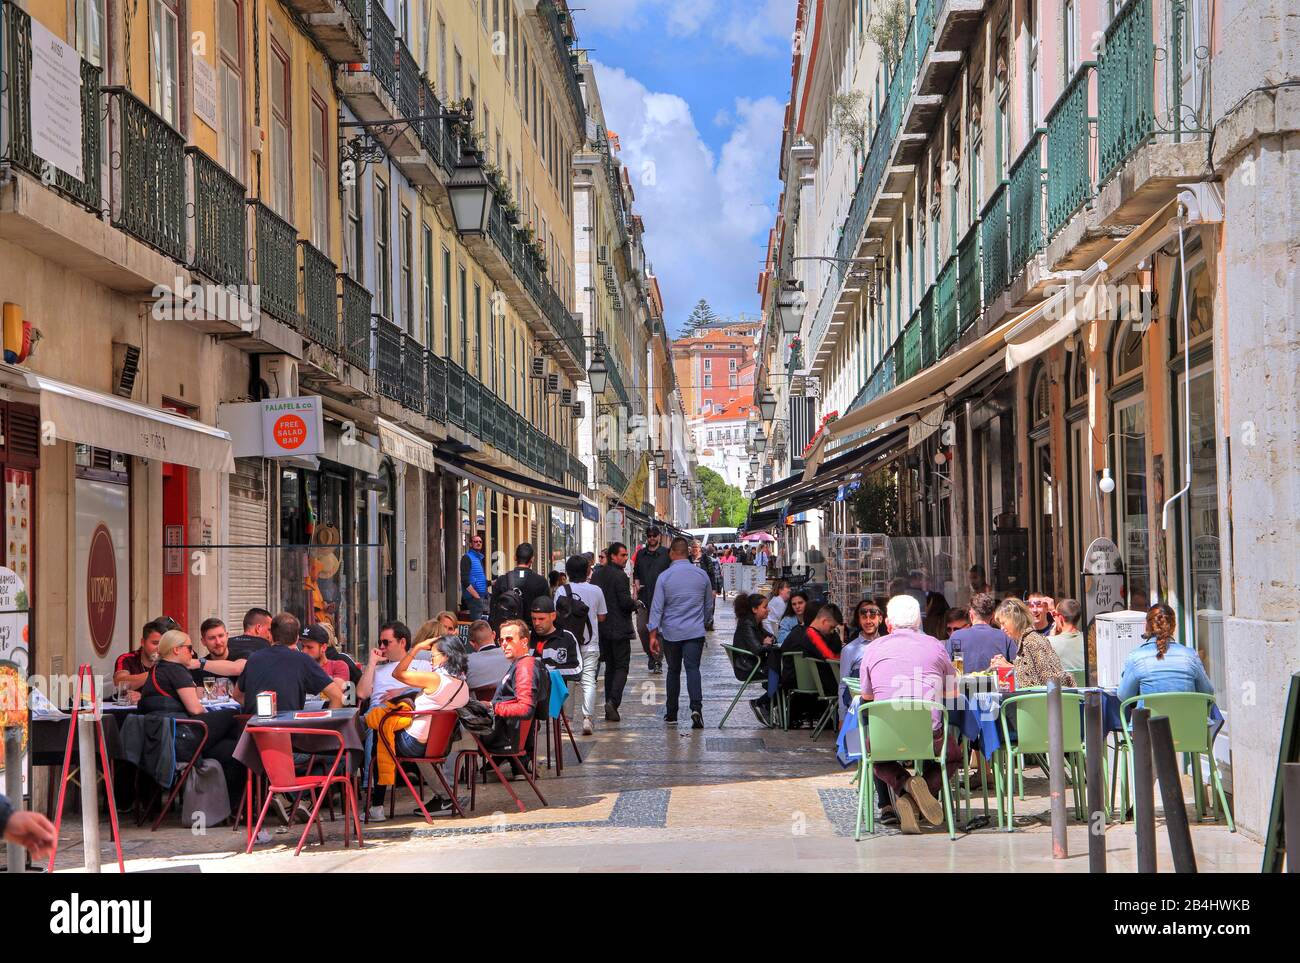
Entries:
{"x":650,"y":562}
{"x":514,"y":591}
{"x":681,"y":607}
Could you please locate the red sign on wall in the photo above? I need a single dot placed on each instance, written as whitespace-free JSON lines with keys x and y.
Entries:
{"x":101,"y":589}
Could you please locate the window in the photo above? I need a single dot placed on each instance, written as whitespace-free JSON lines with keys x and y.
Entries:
{"x":164,"y":62}
{"x":460,"y":69}
{"x":446,"y":303}
{"x":1127,"y":352}
{"x":320,"y":192}
{"x":404,"y":256}
{"x":1131,"y":498}
{"x":731,"y":364}
{"x":708,"y":364}
{"x":88,"y":30}
{"x":383,"y":257}
{"x":354,"y":257}
{"x":1034,"y":88}
{"x":708,"y":381}
{"x":478,"y":331}
{"x":1070,"y":33}
{"x":442,"y":59}
{"x":426,"y":294}
{"x":463,"y":290}
{"x":230,"y":90}
{"x":732,"y":381}
{"x":281,"y":152}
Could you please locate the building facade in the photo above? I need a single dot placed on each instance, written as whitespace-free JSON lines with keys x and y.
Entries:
{"x":1033,"y":221}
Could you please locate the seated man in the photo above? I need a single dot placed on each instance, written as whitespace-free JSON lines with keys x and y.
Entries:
{"x":980,"y":641}
{"x":315,"y":643}
{"x":256,"y":634}
{"x":217,"y":663}
{"x":377,"y":683}
{"x":286,"y":671}
{"x":820,"y":640}
{"x":487,"y":660}
{"x":907,"y":663}
{"x":132,"y":668}
{"x":520,"y":694}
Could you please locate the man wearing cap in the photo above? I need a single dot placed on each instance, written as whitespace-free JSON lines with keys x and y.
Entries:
{"x":681,"y":608}
{"x":651,"y":561}
{"x":553,"y":645}
{"x":314,"y":642}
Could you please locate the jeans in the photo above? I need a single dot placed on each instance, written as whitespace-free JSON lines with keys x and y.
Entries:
{"x":590,"y":666}
{"x":478,"y":607}
{"x":895,"y":774}
{"x":689,"y":651}
{"x":643,"y":632}
{"x":617,"y":654}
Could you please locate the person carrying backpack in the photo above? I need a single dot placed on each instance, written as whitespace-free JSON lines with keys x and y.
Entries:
{"x":580,"y":607}
{"x":514,"y":591}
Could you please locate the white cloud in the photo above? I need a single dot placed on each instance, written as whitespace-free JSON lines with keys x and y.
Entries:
{"x":731,"y":23}
{"x":766,"y":31}
{"x":706,"y":216}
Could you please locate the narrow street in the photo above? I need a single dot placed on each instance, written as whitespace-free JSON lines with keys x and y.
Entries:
{"x":651,"y":797}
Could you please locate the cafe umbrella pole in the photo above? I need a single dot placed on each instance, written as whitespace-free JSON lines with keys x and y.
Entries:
{"x":1056,"y":767}
{"x":1095,"y":743}
{"x":1144,"y":792}
{"x":1171,"y":794}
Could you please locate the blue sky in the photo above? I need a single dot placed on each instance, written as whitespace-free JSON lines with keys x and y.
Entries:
{"x":696,"y":90}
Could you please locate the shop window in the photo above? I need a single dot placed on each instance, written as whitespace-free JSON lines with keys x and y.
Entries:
{"x":1127,"y":352}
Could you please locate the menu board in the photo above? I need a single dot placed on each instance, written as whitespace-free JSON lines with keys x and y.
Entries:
{"x":18,"y":524}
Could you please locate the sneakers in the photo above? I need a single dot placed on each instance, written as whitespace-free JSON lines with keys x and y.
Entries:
{"x":920,"y":794}
{"x":888,"y":816}
{"x":611,"y":712}
{"x":587,"y":728}
{"x":376,"y":814}
{"x":697,"y":720}
{"x":281,"y":809}
{"x":761,"y":713}
{"x":906,"y":810}
{"x":434,"y":804}
{"x":670,"y":720}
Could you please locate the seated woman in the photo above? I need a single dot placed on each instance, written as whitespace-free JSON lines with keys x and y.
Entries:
{"x":1161,"y":663}
{"x":794,"y":617}
{"x":1036,"y":661}
{"x":169,"y":689}
{"x":750,"y":635}
{"x":442,"y":688}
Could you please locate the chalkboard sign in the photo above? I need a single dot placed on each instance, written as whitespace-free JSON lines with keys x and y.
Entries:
{"x":1288,"y":751}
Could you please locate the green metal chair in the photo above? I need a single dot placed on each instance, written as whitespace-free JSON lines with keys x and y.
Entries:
{"x":1031,"y":739}
{"x":808,"y":677}
{"x":736,"y":657}
{"x":1189,"y":722}
{"x":898,"y":730}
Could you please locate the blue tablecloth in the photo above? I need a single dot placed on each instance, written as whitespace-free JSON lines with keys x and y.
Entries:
{"x":980,"y":718}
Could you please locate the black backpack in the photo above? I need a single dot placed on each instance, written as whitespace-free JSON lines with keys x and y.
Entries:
{"x":508,"y":603}
{"x":574,"y":615}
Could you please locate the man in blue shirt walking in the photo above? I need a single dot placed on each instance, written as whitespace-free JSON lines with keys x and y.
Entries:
{"x":473,"y":580}
{"x":682,"y":605}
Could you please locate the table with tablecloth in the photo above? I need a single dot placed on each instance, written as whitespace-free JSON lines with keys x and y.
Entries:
{"x":978,"y":716}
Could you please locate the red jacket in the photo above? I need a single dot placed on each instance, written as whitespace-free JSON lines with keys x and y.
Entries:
{"x":516,"y":695}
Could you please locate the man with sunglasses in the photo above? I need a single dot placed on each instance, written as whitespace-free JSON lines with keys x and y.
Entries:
{"x":868,"y":619}
{"x":377,"y":682}
{"x":473,"y":579}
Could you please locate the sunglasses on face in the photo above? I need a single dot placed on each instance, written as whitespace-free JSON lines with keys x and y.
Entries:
{"x":871,"y":613}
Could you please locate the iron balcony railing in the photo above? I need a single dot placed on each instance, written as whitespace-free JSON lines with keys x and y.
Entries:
{"x":16,"y":135}
{"x":1069,"y":151}
{"x":408,"y":82}
{"x":945,"y":308}
{"x":455,"y":393}
{"x":994,"y":243}
{"x":1126,"y":83}
{"x":926,"y":311}
{"x":562,"y":36}
{"x":149,"y":182}
{"x":968,"y":278}
{"x":357,"y":10}
{"x":473,"y":405}
{"x":435,"y":387}
{"x":436,"y":133}
{"x":387,"y":355}
{"x":927,"y":12}
{"x":578,"y":470}
{"x":908,"y":350}
{"x":616,"y":380}
{"x":277,"y":263}
{"x":412,"y":374}
{"x":355,"y":327}
{"x":220,"y":221}
{"x":1027,"y":204}
{"x":880,"y":381}
{"x":383,"y":48}
{"x":320,"y":298}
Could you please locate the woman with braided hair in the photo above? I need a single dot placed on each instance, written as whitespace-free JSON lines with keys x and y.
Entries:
{"x":1162,"y":663}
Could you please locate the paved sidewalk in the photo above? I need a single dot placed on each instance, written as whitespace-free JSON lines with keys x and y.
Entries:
{"x":649,"y":796}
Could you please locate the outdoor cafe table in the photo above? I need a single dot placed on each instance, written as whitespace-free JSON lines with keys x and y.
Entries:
{"x":978,"y":716}
{"x":343,"y":721}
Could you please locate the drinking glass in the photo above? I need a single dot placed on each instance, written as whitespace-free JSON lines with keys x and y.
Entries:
{"x":210,"y":688}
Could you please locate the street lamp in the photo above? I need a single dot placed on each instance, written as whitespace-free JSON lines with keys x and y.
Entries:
{"x":471,"y":195}
{"x":767,"y":404}
{"x":598,"y":373}
{"x":791,"y":310}
{"x":760,"y":440}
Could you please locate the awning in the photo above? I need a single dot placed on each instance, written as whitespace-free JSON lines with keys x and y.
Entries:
{"x":396,"y":442}
{"x":356,"y":450}
{"x":1074,"y":303}
{"x":82,"y":416}
{"x":925,"y":389}
{"x":637,"y":514}
{"x":505,"y":482}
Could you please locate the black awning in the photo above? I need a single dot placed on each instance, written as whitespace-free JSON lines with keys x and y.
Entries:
{"x":760,"y":521}
{"x":637,"y":514}
{"x":506,"y":482}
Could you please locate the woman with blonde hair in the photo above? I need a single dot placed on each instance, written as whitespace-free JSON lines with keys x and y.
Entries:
{"x":1036,"y":661}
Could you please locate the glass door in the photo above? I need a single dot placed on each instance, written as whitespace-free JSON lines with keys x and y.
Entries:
{"x":1131,"y":503}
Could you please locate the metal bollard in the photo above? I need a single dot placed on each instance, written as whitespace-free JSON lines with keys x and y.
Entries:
{"x":1056,"y":766}
{"x":1095,"y":743}
{"x":89,"y":790}
{"x":1144,"y":792}
{"x":1171,"y":794}
{"x":15,"y":855}
{"x":1291,"y":814}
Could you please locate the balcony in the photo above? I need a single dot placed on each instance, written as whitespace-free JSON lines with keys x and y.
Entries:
{"x":945,"y":308}
{"x":17,"y":145}
{"x":220,"y":238}
{"x":612,"y":475}
{"x":1126,"y":85}
{"x":907,"y":353}
{"x":436,"y":135}
{"x":277,"y":264}
{"x":320,"y":301}
{"x":435,"y":387}
{"x":994,"y":243}
{"x":338,"y":26}
{"x":968,"y":278}
{"x":1027,"y":210}
{"x":455,"y":393}
{"x":956,"y":23}
{"x":387,"y":89}
{"x":149,"y":180}
{"x":355,"y":316}
{"x":560,"y":27}
{"x":387,"y":354}
{"x":412,"y":378}
{"x":1070,"y":155}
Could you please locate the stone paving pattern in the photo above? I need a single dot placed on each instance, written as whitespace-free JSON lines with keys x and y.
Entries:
{"x":657,"y":797}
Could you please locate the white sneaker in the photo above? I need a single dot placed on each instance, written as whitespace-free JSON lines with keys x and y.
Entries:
{"x":376,"y":814}
{"x":587,"y":728}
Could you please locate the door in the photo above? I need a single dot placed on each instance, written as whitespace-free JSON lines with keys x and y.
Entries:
{"x":176,"y":584}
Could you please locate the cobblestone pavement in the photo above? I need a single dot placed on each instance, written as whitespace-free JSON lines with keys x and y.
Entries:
{"x":651,"y":796}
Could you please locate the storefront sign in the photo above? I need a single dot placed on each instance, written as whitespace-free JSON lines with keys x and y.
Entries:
{"x":13,"y":621}
{"x":406,"y":447}
{"x":275,"y":428}
{"x":173,"y":557}
{"x":56,"y":101}
{"x":102,"y":579}
{"x":101,"y":589}
{"x":589,"y":511}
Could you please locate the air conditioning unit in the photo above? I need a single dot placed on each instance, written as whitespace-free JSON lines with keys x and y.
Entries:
{"x":602,"y":254}
{"x":580,"y":409}
{"x":539,"y":368}
{"x":566,"y":397}
{"x":126,"y":367}
{"x":552,"y":384}
{"x":279,"y":372}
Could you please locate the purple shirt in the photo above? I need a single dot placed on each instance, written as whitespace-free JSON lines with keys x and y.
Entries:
{"x":907,"y":663}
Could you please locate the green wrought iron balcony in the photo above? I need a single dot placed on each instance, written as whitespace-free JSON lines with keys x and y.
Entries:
{"x":386,"y":340}
{"x":1070,"y":182}
{"x":16,"y":147}
{"x":616,"y":380}
{"x":473,"y":405}
{"x":412,"y":389}
{"x":994,"y":244}
{"x":968,"y":278}
{"x":277,"y":263}
{"x":455,"y":392}
{"x":355,"y":322}
{"x":149,"y":181}
{"x":1126,"y":83}
{"x":220,"y":221}
{"x":907,"y":350}
{"x":320,"y":298}
{"x":945,"y":308}
{"x":436,"y":133}
{"x":408,"y":82}
{"x":1027,"y":204}
{"x":612,"y":475}
{"x":435,"y":386}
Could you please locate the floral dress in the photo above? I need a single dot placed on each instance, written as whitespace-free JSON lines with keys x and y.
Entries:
{"x":1038,"y":664}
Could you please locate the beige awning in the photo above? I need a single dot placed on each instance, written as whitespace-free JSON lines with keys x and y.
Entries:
{"x":81,"y":416}
{"x":1074,"y":303}
{"x":396,"y":442}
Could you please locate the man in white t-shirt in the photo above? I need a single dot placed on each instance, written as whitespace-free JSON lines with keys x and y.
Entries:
{"x":578,"y":568}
